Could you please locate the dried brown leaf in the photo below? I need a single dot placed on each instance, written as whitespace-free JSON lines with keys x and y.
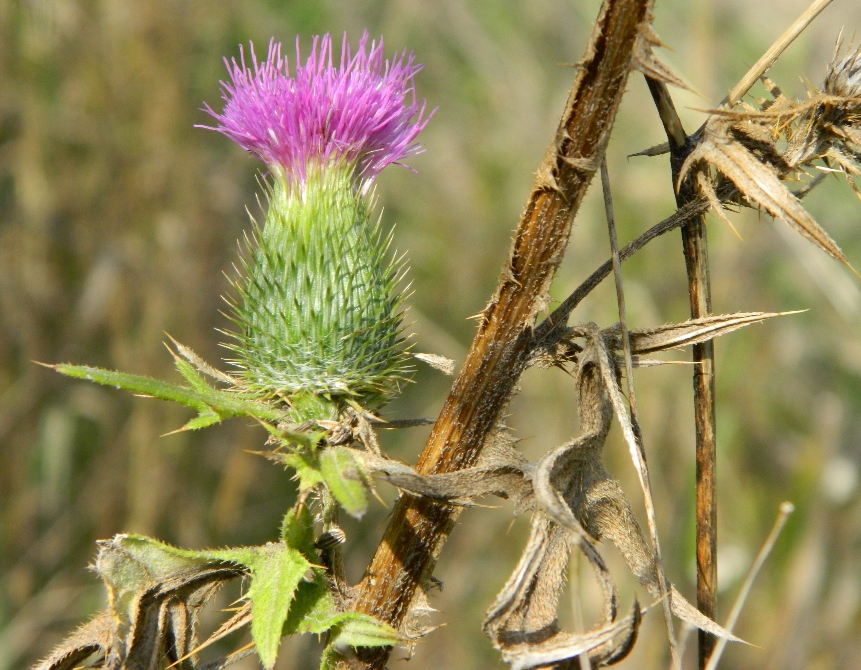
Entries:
{"x":441,"y":363}
{"x":97,"y":635}
{"x":645,"y":61}
{"x":677,"y":335}
{"x":501,"y":471}
{"x":565,"y":646}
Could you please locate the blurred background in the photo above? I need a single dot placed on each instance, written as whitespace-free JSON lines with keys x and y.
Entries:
{"x":119,"y":219}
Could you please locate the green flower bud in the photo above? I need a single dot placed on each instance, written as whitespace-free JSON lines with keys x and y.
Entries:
{"x":319,"y":315}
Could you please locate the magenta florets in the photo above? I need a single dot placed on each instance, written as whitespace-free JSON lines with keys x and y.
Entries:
{"x":362,"y":113}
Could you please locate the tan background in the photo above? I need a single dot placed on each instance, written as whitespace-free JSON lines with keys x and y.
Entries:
{"x":118,"y":220}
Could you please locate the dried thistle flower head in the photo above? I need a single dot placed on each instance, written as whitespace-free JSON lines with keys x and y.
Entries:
{"x":844,"y":76}
{"x":319,"y":309}
{"x":748,"y":154}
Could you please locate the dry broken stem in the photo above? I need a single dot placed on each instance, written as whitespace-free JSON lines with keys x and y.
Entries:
{"x":418,"y":528}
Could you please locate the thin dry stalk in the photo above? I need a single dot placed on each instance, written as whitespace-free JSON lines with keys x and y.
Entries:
{"x":406,"y":556}
{"x":695,"y":245}
{"x":773,"y":53}
{"x":551,"y":328}
{"x":640,"y":455}
{"x":786,"y":508}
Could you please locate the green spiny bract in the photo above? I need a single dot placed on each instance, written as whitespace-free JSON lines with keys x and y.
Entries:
{"x":318,"y":312}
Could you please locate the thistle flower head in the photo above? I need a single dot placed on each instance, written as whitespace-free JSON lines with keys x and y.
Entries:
{"x":361,"y":113}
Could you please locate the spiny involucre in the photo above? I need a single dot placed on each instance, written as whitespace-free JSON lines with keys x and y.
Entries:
{"x":318,"y":311}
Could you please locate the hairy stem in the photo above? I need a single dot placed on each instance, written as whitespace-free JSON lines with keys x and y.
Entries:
{"x":418,"y":528}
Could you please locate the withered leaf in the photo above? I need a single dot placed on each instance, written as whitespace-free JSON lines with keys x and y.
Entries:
{"x":693,"y":331}
{"x":578,"y":503}
{"x":441,"y":363}
{"x":569,"y":645}
{"x":501,"y":471}
{"x":645,"y":61}
{"x":95,"y":636}
{"x":155,"y":593}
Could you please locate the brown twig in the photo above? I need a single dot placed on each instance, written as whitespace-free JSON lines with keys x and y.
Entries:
{"x":549,"y":330}
{"x":695,"y":245}
{"x":418,"y":528}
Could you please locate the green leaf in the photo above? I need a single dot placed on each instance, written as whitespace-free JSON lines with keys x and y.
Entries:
{"x":191,"y":375}
{"x":344,"y":476}
{"x":212,"y":404}
{"x":276,"y":572}
{"x":361,"y":630}
{"x":135,"y":383}
{"x":297,"y":532}
{"x":313,"y":610}
{"x":203,"y":420}
{"x":306,"y":464}
{"x":159,"y":558}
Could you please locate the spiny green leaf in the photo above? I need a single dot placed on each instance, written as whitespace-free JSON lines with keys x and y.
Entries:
{"x":159,"y":558}
{"x":190,"y":374}
{"x":313,"y":610}
{"x":203,"y":398}
{"x":276,"y":572}
{"x":204,"y":420}
{"x":306,"y":464}
{"x":344,"y":476}
{"x":297,"y":532}
{"x":134,"y":383}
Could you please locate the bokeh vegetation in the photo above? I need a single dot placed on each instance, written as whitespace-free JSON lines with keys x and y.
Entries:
{"x":118,"y":220}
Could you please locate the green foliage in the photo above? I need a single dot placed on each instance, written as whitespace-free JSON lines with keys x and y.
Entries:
{"x":318,"y":311}
{"x":212,"y":405}
{"x":345,"y":479}
{"x":276,"y":571}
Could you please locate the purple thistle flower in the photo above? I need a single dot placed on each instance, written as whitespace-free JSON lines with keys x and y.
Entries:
{"x":362,"y":114}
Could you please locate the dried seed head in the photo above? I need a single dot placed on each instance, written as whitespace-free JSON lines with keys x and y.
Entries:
{"x":844,"y":76}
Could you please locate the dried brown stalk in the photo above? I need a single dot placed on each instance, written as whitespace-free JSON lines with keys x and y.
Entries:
{"x":417,"y":530}
{"x":769,"y":57}
{"x":695,"y":246}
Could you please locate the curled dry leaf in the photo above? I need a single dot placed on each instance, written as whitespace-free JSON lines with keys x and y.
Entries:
{"x":576,"y":503}
{"x":154,"y":604}
{"x":501,"y":470}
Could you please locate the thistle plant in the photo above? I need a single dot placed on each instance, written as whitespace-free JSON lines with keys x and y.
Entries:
{"x":318,"y":313}
{"x":318,"y":346}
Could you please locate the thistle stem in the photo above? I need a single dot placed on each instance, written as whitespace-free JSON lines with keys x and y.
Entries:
{"x":418,"y":528}
{"x":695,"y":245}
